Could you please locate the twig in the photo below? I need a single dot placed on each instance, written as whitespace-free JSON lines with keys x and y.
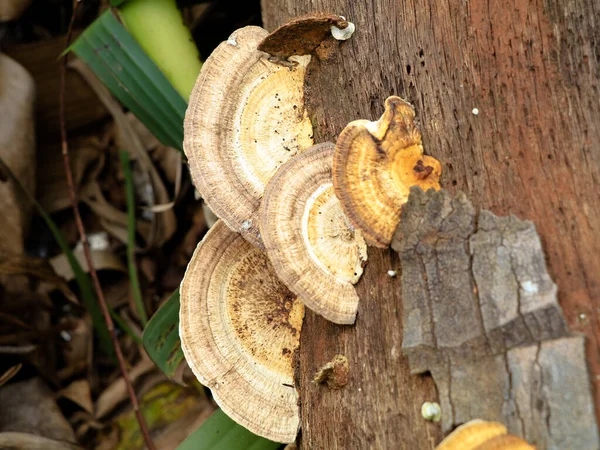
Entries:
{"x":86,"y":245}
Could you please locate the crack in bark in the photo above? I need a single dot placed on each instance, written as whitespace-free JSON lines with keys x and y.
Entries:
{"x":511,"y":394}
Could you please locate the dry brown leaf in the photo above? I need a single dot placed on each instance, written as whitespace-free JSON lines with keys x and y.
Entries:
{"x":26,"y":441}
{"x":83,"y":423}
{"x":12,"y":264}
{"x":87,"y":155}
{"x":6,"y":376}
{"x":79,"y":392}
{"x":164,"y":224}
{"x":17,"y":148}
{"x":82,"y":107}
{"x":12,"y":9}
{"x":116,"y":392}
{"x":29,"y":407}
{"x":112,"y":219}
{"x":102,"y":259}
{"x":118,"y":293}
{"x":77,"y":353}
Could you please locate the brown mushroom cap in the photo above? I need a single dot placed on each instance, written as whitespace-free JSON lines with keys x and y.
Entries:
{"x":302,"y":35}
{"x":470,"y":435}
{"x":374,"y":166}
{"x":314,"y":249}
{"x":239,"y":328}
{"x":245,"y":118}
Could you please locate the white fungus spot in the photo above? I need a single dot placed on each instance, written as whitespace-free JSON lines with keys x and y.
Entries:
{"x":391,"y":273}
{"x":343,"y":34}
{"x":431,"y":411}
{"x":529,"y":287}
{"x":246,"y":225}
{"x":65,"y":335}
{"x":475,"y":111}
{"x":582,"y":316}
{"x":232,"y":41}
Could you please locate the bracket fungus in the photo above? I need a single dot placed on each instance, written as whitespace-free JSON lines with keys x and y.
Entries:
{"x":303,"y":35}
{"x":314,"y":249}
{"x":245,"y":118}
{"x":374,"y":166}
{"x":481,"y":435}
{"x":239,"y":328}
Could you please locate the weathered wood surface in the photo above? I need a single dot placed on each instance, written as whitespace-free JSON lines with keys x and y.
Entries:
{"x":533,"y":150}
{"x":381,"y":404}
{"x":481,"y":315}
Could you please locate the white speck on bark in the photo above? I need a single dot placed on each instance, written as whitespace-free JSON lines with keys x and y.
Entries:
{"x":431,"y":411}
{"x":343,"y":34}
{"x":529,"y":287}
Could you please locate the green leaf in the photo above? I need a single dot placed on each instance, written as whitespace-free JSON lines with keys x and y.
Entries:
{"x":219,"y":432}
{"x":161,"y":336}
{"x":159,"y":28}
{"x":116,"y":2}
{"x":83,"y":281}
{"x":133,"y":276}
{"x":131,"y":76}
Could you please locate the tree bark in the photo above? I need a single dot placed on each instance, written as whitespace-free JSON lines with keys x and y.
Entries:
{"x":507,"y":94}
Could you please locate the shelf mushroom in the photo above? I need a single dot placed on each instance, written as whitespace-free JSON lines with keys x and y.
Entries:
{"x":245,"y":118}
{"x":482,"y":435}
{"x":374,"y":166}
{"x":313,"y":247}
{"x":239,"y":328}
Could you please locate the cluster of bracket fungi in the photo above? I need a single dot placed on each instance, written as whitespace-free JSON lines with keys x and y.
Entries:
{"x":295,"y":217}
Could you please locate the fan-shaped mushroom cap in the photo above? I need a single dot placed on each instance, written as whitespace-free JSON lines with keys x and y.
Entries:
{"x":470,"y":435}
{"x":245,"y":118}
{"x":239,"y":328}
{"x":374,"y":166}
{"x":505,"y":442}
{"x":313,"y":247}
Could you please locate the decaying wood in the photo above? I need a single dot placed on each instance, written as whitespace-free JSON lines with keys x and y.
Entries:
{"x":481,"y":315}
{"x":532,"y":150}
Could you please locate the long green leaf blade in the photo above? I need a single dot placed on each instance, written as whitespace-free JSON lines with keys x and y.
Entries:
{"x":132,"y":267}
{"x":161,"y":336}
{"x":219,"y":432}
{"x":131,"y":76}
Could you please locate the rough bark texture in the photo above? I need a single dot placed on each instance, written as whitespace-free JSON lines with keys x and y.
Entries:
{"x":533,"y":150}
{"x":481,"y":315}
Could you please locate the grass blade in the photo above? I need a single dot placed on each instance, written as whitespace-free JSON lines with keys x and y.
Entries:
{"x":133,"y":275}
{"x":131,"y":76}
{"x":219,"y":432}
{"x":161,"y":336}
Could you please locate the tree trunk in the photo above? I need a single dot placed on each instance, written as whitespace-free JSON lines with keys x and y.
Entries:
{"x":507,"y":94}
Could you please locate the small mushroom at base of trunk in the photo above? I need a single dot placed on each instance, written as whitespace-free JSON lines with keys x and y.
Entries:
{"x":239,"y":328}
{"x":313,"y":247}
{"x":374,"y":166}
